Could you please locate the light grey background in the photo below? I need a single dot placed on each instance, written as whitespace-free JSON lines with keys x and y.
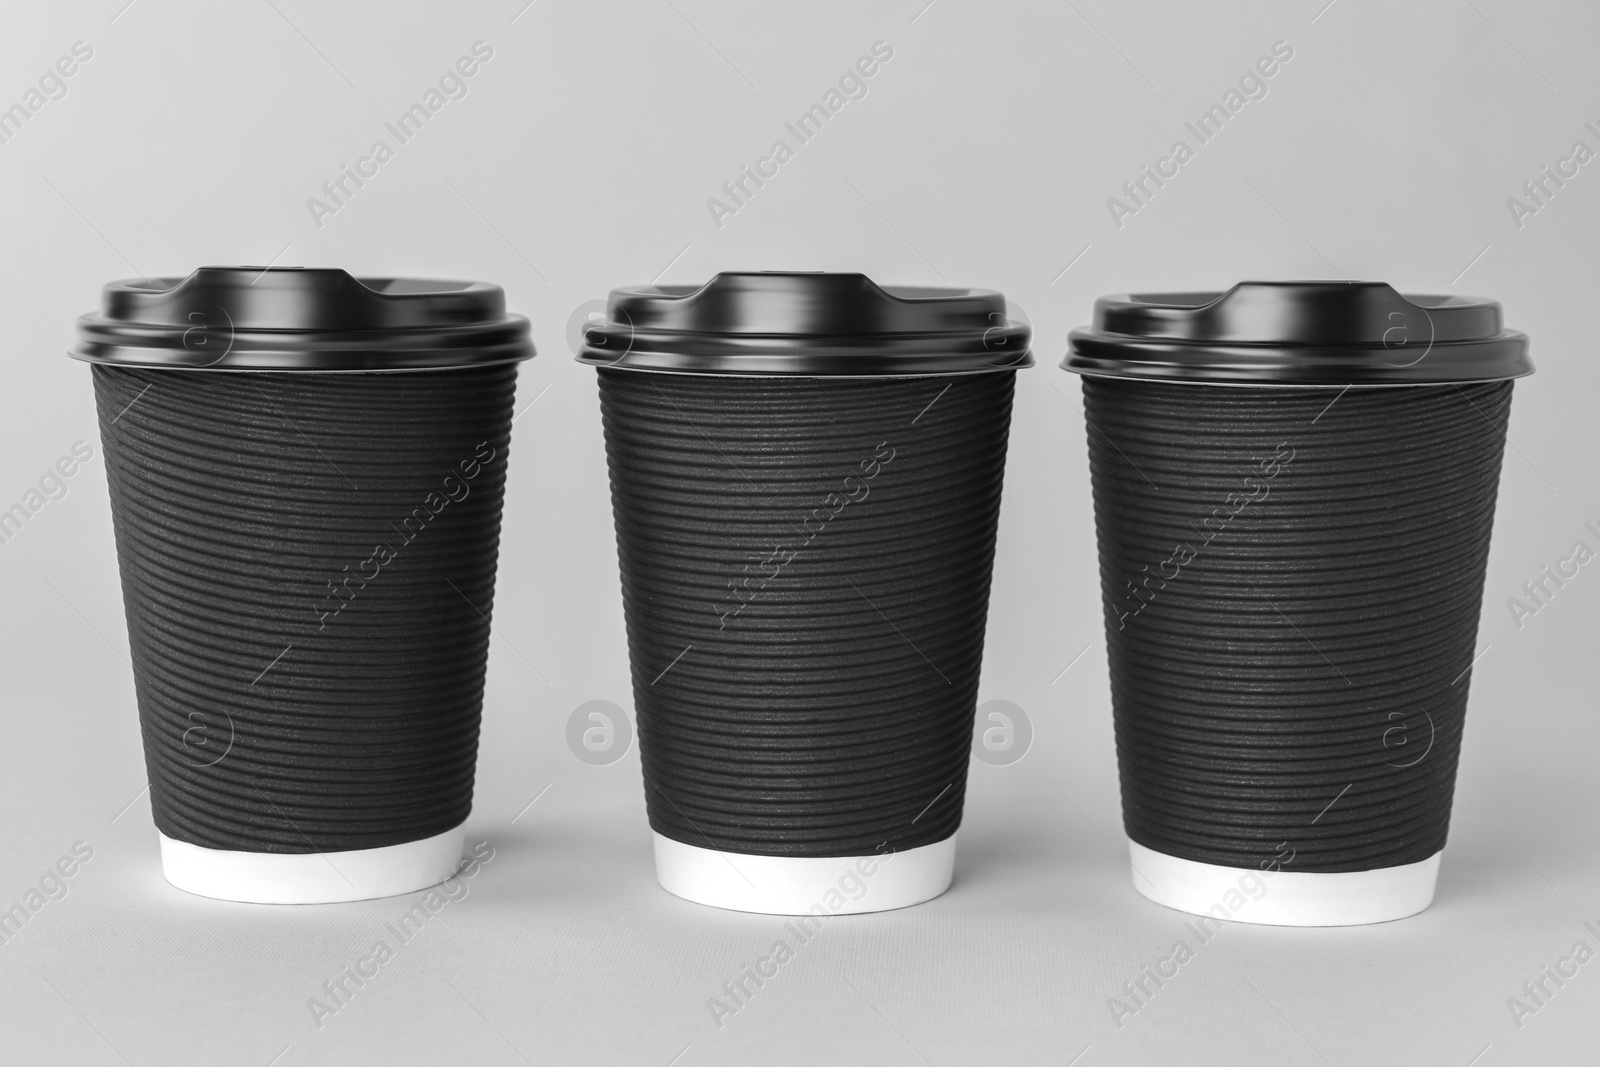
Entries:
{"x":984,"y":154}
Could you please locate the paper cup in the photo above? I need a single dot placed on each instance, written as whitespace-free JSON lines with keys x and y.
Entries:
{"x":306,"y":476}
{"x":1294,"y":487}
{"x":806,"y":474}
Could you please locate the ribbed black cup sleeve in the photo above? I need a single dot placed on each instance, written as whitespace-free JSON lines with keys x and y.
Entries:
{"x":805,"y":573}
{"x":1292,"y":581}
{"x":308,"y":568}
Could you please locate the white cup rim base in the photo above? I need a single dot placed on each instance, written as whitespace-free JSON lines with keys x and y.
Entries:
{"x":799,"y":885}
{"x":1290,"y":898}
{"x":313,"y":877}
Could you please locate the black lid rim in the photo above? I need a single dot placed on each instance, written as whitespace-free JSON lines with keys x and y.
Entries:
{"x":503,"y":342}
{"x":812,"y":375}
{"x":795,"y":362}
{"x":1229,"y":383}
{"x":369,"y":362}
{"x":806,"y":325}
{"x":294,"y":319}
{"x":1499,"y":359}
{"x":1299,"y":333}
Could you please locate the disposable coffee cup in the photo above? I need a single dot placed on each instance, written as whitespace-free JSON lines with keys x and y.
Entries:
{"x":1294,"y":485}
{"x":806,"y":473}
{"x":306,"y":473}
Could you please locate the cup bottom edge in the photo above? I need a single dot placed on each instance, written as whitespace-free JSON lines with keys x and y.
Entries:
{"x":804,"y":885}
{"x":312,"y":877}
{"x":1284,"y":897}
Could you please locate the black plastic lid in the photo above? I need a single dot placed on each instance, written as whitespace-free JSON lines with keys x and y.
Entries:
{"x":1299,"y":333}
{"x":301,"y":319}
{"x":803,"y":324}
